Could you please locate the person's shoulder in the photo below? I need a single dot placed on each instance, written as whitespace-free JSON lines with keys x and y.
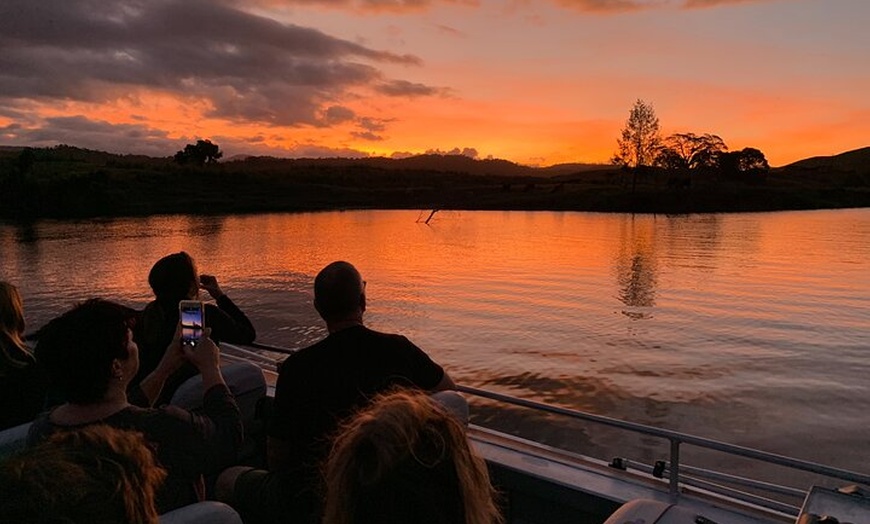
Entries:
{"x":306,"y":355}
{"x":387,"y":339}
{"x":167,"y":419}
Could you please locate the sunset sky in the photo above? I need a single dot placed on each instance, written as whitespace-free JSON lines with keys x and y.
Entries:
{"x":536,"y":82}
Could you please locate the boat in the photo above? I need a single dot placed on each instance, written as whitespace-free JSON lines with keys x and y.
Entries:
{"x":542,"y":484}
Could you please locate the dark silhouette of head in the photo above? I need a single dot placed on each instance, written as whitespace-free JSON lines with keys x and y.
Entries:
{"x":339,"y":293}
{"x":97,"y":474}
{"x":405,"y":459}
{"x":174,"y":278}
{"x":78,"y":348}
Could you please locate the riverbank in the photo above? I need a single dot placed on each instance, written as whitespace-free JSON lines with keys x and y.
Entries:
{"x":68,"y":182}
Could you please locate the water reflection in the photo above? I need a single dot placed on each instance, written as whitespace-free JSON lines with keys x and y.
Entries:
{"x":26,"y":233}
{"x":740,"y":327}
{"x":635,"y":267}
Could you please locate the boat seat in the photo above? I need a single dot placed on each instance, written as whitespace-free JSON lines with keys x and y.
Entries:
{"x":454,"y":403}
{"x":245,"y":380}
{"x":646,"y":511}
{"x":208,"y":512}
{"x":13,"y":440}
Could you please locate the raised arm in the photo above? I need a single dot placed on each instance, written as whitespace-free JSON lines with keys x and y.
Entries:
{"x":227,"y":321}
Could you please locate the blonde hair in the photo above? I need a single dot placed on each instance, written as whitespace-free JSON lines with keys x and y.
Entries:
{"x":405,"y":458}
{"x":14,"y":353}
{"x":97,"y":474}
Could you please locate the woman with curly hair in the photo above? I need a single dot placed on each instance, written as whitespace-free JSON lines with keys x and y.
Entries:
{"x":405,"y":459}
{"x":96,"y":474}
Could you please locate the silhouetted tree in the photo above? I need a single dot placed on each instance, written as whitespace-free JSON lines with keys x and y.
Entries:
{"x":748,"y":164}
{"x":203,"y":152}
{"x":691,"y":151}
{"x":640,"y":141}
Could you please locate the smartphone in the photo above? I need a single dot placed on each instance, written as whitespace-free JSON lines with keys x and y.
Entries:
{"x":192,"y":318}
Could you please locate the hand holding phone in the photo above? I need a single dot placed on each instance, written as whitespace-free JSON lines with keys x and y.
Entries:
{"x":192,"y":316}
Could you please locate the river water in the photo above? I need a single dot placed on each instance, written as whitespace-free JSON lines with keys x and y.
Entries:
{"x":748,"y":328}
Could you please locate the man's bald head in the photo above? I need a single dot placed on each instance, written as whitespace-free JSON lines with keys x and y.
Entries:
{"x":339,"y":293}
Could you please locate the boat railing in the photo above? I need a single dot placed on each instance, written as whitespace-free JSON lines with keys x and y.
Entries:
{"x":677,"y":473}
{"x":673,"y":470}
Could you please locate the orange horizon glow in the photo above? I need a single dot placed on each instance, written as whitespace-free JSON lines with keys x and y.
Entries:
{"x":537,"y":84}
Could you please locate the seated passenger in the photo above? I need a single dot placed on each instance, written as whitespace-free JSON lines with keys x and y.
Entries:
{"x":405,"y":459}
{"x":172,"y":279}
{"x":317,"y":388}
{"x":95,"y":475}
{"x":321,"y":384}
{"x":23,"y":384}
{"x":91,"y":357}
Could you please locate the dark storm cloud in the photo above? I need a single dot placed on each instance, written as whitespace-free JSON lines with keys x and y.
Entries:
{"x":142,"y":139}
{"x":249,"y":67}
{"x":91,"y":134}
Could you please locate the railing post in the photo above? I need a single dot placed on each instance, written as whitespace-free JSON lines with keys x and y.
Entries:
{"x":675,"y":470}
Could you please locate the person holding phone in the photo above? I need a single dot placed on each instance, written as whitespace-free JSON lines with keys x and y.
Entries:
{"x":174,"y":278}
{"x":90,"y":355}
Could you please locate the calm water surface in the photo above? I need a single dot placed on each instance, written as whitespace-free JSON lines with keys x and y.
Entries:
{"x":748,"y":328}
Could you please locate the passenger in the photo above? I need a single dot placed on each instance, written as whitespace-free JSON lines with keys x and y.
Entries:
{"x":320,"y":385}
{"x":172,"y":279}
{"x":97,"y":474}
{"x":90,"y":355}
{"x":405,"y":459}
{"x":317,"y":387}
{"x":23,"y":384}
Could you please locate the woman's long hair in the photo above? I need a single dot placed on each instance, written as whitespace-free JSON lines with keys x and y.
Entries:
{"x":14,"y":353}
{"x":95,"y":474}
{"x":405,"y":459}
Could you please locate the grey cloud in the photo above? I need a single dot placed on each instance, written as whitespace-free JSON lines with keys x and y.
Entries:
{"x":141,"y":139}
{"x":248,"y":66}
{"x":395,"y":6}
{"x":373,"y":124}
{"x":470,"y":152}
{"x":405,"y":88}
{"x":367,"y":135}
{"x":700,"y":4}
{"x":618,"y":6}
{"x":450,"y":31}
{"x":92,"y":134}
{"x":338,"y":114}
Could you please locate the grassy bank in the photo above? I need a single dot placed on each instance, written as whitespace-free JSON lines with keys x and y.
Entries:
{"x":67,"y":182}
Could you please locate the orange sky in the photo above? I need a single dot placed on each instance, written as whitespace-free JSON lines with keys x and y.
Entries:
{"x":535,"y":82}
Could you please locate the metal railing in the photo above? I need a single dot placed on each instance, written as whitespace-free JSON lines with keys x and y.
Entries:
{"x":677,"y":439}
{"x":675,"y":472}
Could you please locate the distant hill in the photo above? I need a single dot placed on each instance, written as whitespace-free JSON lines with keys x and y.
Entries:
{"x":433,"y":163}
{"x":70,"y":182}
{"x":857,"y":161}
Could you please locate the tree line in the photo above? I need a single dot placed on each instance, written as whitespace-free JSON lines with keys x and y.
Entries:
{"x":684,"y":156}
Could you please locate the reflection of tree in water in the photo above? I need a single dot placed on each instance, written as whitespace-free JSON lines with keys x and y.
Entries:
{"x":26,"y":233}
{"x":636,"y":270}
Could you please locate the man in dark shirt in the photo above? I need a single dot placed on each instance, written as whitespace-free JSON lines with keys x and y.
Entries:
{"x":317,"y":387}
{"x":322,"y":384}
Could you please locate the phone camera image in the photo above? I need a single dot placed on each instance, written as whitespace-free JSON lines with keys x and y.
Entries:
{"x":192,"y":321}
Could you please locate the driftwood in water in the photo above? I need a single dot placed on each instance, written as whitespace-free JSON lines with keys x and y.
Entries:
{"x":431,"y":214}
